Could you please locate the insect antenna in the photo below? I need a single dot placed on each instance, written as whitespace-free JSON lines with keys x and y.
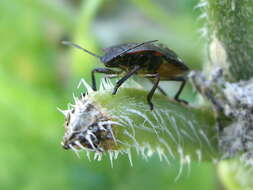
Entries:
{"x":79,"y":47}
{"x":138,"y":45}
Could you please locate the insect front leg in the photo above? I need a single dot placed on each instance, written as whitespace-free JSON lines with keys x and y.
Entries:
{"x":152,"y":91}
{"x":124,"y":78}
{"x":101,"y":70}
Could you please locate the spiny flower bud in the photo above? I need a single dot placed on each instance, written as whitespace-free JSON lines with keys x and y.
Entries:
{"x":102,"y":123}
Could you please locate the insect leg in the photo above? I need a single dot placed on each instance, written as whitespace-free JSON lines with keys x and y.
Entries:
{"x":183,"y":80}
{"x":124,"y":78}
{"x":100,"y":70}
{"x":159,"y":88}
{"x":152,"y":91}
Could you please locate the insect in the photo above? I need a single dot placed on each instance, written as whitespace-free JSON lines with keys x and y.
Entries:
{"x":143,"y":59}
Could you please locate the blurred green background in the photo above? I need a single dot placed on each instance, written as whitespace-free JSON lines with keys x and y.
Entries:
{"x":38,"y":74}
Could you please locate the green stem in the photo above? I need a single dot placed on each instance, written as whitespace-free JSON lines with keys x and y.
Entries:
{"x":230,"y":26}
{"x":230,"y":32}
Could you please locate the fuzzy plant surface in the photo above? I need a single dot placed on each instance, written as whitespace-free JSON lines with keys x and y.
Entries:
{"x":100,"y":122}
{"x":229,"y":31}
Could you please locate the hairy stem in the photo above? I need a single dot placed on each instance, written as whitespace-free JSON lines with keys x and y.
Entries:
{"x":229,"y":29}
{"x":230,"y":36}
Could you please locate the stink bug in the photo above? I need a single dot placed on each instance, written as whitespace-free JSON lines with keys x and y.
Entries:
{"x":144,"y":59}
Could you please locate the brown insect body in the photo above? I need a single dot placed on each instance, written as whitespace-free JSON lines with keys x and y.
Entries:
{"x":144,"y":59}
{"x":152,"y":59}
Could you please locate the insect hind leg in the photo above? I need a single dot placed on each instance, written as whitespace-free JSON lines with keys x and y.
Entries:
{"x":159,"y":88}
{"x":183,"y":80}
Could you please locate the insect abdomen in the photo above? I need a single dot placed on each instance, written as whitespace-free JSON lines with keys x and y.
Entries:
{"x":169,"y":70}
